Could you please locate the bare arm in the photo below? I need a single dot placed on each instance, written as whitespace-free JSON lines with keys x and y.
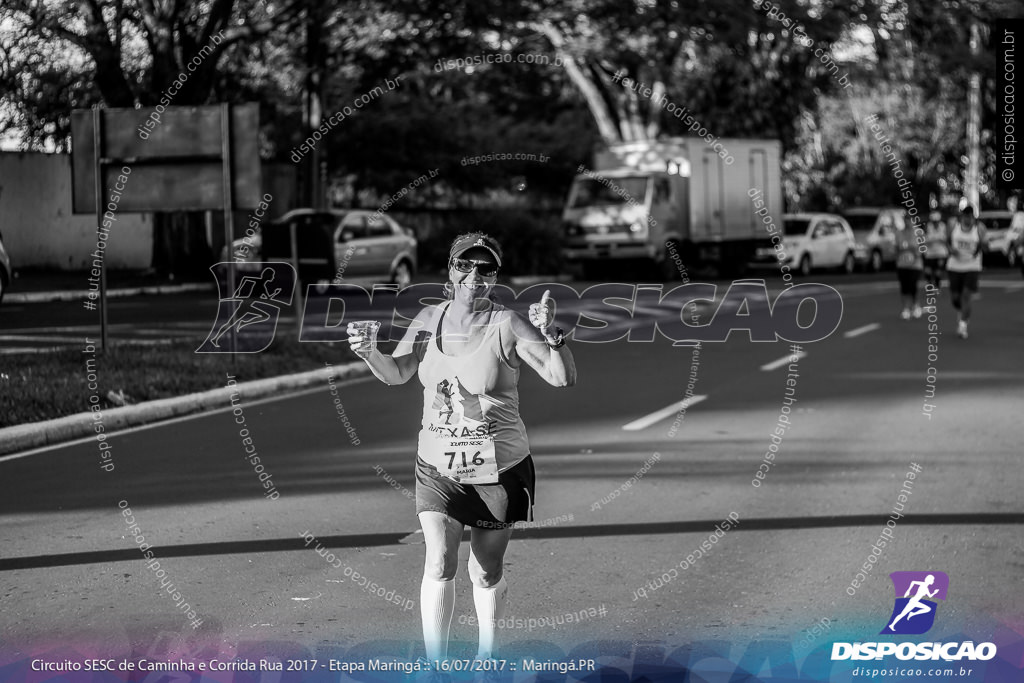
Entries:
{"x":401,"y":365}
{"x":555,"y":366}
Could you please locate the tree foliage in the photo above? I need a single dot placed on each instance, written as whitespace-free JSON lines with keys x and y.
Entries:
{"x":735,"y":66}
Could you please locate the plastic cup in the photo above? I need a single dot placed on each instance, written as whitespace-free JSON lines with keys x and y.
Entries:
{"x":367,"y":329}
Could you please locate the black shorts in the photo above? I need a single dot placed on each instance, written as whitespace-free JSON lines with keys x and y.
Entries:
{"x":486,"y":506}
{"x":961,"y":282}
{"x":908,"y":278}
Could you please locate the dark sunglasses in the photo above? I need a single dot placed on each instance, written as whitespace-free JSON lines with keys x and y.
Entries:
{"x":466,"y":266}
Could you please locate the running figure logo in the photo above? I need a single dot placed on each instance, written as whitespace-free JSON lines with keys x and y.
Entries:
{"x":252,"y":310}
{"x":451,"y":399}
{"x":914,"y":613}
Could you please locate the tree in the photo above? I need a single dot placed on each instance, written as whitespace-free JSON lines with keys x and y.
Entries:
{"x":125,"y":54}
{"x":737,"y":70}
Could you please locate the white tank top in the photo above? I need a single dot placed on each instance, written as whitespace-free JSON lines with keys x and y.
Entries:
{"x":964,"y":254}
{"x":474,"y":393}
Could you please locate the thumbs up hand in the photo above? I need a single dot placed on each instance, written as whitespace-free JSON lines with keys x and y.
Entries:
{"x":543,"y":314}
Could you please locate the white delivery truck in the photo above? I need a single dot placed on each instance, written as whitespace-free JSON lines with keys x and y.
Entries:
{"x":643,"y":199}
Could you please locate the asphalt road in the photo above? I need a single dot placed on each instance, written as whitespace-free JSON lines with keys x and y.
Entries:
{"x":71,"y":575}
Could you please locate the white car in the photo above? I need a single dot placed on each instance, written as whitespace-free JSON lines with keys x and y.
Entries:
{"x":812,"y":240}
{"x":997,"y":230}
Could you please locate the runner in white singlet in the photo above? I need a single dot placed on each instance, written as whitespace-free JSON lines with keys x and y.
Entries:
{"x":967,"y":241}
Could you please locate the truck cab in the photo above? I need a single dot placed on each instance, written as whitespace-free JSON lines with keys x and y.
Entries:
{"x":672,"y":201}
{"x":621,"y":214}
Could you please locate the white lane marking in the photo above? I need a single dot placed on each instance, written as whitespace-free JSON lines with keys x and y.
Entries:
{"x":785,"y":360}
{"x":659,"y":415}
{"x":184,"y":418}
{"x":947,"y":374}
{"x":861,"y":330}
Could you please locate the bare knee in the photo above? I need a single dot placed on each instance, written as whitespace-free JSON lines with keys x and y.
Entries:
{"x":440,"y":566}
{"x":486,"y":573}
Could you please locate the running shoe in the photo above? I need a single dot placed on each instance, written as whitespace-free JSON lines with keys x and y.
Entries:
{"x":961,"y":329}
{"x":905,"y":315}
{"x":917,"y":312}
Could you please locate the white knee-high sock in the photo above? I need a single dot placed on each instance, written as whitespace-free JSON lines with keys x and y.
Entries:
{"x":490,"y":607}
{"x":437,"y":603}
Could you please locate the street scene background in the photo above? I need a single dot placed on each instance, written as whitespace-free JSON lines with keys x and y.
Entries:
{"x":711,"y":511}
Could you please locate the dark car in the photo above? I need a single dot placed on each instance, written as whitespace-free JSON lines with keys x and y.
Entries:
{"x":352,"y":245}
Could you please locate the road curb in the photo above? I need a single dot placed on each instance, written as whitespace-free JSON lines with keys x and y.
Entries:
{"x":77,"y":294}
{"x":63,"y":429}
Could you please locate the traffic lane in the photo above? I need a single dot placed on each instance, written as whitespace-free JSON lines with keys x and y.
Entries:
{"x":299,"y":442}
{"x":776,"y":584}
{"x":359,"y":516}
{"x":839,"y":431}
{"x":150,"y":310}
{"x":777,"y":580}
{"x":638,"y":451}
{"x":202,"y":306}
{"x":897,"y":350}
{"x":599,"y":431}
{"x":165,"y":470}
{"x":181,"y":479}
{"x":240,"y":597}
{"x":625,"y":553}
{"x":157,"y":320}
{"x":752,"y":583}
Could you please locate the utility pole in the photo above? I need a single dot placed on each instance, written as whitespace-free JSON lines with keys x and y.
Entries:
{"x":972,"y":179}
{"x":315,"y":68}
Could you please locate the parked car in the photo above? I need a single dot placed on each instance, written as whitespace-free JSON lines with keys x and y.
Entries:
{"x":874,"y":229}
{"x":5,"y":269}
{"x":997,"y":227}
{"x":812,"y":240}
{"x":352,"y":245}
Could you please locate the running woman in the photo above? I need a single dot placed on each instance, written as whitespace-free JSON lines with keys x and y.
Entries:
{"x":936,"y":249}
{"x":909,"y":263}
{"x":473,"y":465}
{"x":967,"y":240}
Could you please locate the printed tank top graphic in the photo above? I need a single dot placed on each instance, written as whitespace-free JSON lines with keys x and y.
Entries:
{"x":453,"y":400}
{"x":474,"y":394}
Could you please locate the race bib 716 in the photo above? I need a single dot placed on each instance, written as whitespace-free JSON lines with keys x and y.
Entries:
{"x":465,"y":460}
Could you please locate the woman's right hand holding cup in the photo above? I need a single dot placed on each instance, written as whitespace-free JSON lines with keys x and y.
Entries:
{"x":362,"y":337}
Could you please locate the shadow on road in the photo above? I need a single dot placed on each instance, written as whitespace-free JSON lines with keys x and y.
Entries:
{"x":587,"y":531}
